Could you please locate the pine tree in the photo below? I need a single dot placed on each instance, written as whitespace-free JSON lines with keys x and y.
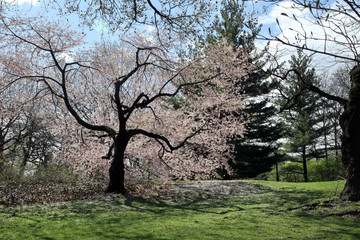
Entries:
{"x":253,"y":150}
{"x":236,"y":25}
{"x":303,"y":122}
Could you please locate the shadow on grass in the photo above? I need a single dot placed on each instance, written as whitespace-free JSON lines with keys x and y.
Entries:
{"x":222,"y":197}
{"x":204,"y":197}
{"x":286,"y":198}
{"x":215,"y":197}
{"x":119,"y":216}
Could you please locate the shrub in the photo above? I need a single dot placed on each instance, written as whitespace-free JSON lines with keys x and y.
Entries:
{"x":288,"y":172}
{"x":53,"y":174}
{"x":49,"y":184}
{"x":8,"y":173}
{"x":326,"y":169}
{"x":318,"y":170}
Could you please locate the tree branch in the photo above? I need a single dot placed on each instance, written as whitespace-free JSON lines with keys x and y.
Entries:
{"x":161,"y":139}
{"x":311,"y":87}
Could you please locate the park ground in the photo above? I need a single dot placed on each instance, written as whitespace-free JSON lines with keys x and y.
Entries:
{"x":194,"y":210}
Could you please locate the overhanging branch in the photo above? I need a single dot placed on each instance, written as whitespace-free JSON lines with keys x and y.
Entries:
{"x":164,"y":141}
{"x":312,"y":88}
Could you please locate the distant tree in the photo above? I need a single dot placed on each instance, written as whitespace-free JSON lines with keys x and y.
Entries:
{"x":26,"y":135}
{"x":337,"y":25}
{"x":339,"y":85}
{"x":10,"y":113}
{"x":38,"y":143}
{"x":254,"y":151}
{"x":326,"y":114}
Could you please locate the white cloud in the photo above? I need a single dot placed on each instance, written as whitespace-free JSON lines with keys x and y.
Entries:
{"x":281,"y":17}
{"x":21,"y":2}
{"x":296,"y":23}
{"x":279,"y":10}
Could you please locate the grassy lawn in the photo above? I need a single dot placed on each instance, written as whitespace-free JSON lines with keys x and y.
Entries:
{"x":261,"y":210}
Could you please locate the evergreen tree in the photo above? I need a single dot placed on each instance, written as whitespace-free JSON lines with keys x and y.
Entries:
{"x":236,"y":25}
{"x":303,"y":122}
{"x":254,"y":151}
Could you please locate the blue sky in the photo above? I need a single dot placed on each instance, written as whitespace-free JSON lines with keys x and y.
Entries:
{"x":35,"y":8}
{"x":269,"y":19}
{"x":100,"y":28}
{"x":99,"y":31}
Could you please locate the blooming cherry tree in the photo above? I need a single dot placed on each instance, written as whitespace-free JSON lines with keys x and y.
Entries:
{"x":123,"y":95}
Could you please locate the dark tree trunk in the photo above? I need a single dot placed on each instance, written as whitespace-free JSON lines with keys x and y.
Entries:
{"x":336,"y":139}
{"x":117,"y":171}
{"x":325,"y":135}
{"x":2,"y":143}
{"x":350,"y":124}
{"x":326,"y":147}
{"x":24,"y":160}
{"x":277,"y":171}
{"x":304,"y":165}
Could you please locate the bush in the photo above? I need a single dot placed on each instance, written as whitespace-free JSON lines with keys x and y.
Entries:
{"x":263,"y":176}
{"x":326,"y":169}
{"x":318,"y":170}
{"x":288,"y":172}
{"x":8,"y":173}
{"x":49,"y":184}
{"x":53,"y":174}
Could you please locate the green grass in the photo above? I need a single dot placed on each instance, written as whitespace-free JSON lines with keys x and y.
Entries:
{"x":272,"y":211}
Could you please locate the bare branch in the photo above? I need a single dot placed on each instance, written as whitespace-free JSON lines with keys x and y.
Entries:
{"x":162,"y":139}
{"x":310,"y":87}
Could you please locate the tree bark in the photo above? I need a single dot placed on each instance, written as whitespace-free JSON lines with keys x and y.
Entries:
{"x":336,"y":139}
{"x":350,"y":124}
{"x":304,"y":165}
{"x":2,"y":143}
{"x":117,"y":170}
{"x":325,"y":137}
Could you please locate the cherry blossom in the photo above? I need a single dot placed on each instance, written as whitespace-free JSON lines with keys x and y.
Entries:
{"x":119,"y":99}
